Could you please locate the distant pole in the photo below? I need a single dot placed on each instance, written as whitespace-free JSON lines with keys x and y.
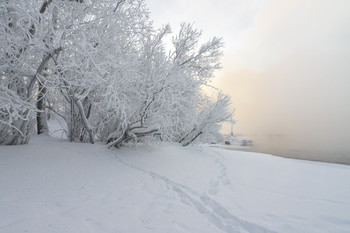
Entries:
{"x":231,"y":128}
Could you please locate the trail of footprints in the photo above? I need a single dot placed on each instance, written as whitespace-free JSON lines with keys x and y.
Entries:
{"x":212,"y":210}
{"x":222,"y":177}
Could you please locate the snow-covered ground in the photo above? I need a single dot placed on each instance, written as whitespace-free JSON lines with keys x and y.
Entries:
{"x":57,"y":186}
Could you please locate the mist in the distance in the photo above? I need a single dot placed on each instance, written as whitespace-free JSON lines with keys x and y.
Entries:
{"x":290,"y":80}
{"x":286,"y":65}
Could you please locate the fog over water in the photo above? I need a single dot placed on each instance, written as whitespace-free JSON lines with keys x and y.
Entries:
{"x":287,"y":68}
{"x":292,"y":87}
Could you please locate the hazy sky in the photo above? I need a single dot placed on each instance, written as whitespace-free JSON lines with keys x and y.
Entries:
{"x":286,"y":63}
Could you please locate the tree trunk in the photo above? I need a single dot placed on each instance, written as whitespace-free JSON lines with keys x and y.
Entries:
{"x":194,"y":138}
{"x":41,"y":118}
{"x":71,"y":123}
{"x":87,"y":125}
{"x":182,"y":139}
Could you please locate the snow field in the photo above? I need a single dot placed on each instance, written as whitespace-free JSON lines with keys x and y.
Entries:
{"x":56,"y":186}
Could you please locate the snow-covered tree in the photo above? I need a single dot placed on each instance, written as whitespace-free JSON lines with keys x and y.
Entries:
{"x":103,"y":69}
{"x":209,"y":116}
{"x":23,"y":58}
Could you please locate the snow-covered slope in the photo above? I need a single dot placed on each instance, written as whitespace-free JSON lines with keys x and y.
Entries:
{"x":53,"y":186}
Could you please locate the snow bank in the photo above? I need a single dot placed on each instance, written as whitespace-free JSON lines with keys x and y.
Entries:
{"x":56,"y":186}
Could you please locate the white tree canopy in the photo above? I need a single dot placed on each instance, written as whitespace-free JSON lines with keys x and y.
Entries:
{"x":102,"y":67}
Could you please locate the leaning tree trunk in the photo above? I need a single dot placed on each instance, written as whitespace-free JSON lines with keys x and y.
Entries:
{"x":190,"y":140}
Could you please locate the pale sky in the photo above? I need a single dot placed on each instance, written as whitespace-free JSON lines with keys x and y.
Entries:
{"x":286,"y":62}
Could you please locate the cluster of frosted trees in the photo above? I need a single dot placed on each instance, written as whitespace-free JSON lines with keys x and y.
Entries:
{"x":102,"y":68}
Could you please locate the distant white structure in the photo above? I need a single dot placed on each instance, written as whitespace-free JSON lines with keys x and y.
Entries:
{"x":237,"y":140}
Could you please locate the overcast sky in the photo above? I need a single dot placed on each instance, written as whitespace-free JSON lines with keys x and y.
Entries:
{"x":286,"y":62}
